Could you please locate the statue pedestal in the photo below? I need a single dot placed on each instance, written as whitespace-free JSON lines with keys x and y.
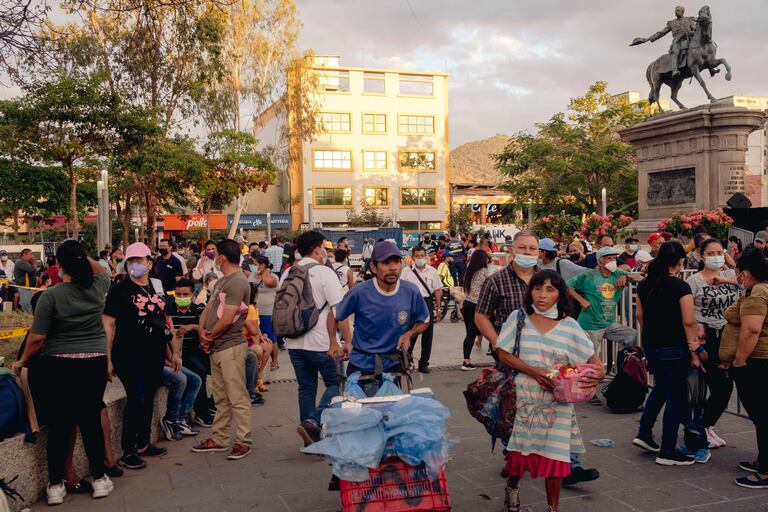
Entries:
{"x":691,"y":159}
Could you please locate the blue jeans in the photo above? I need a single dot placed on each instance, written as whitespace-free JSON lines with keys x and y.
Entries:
{"x":307,"y":364}
{"x":183,"y":387}
{"x":670,"y":367}
{"x":265,"y":324}
{"x":251,"y":372}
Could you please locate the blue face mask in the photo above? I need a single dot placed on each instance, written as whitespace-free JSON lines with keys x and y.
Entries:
{"x":526,"y":260}
{"x":549,"y":313}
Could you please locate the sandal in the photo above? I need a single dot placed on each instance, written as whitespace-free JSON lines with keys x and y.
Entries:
{"x":274,"y":366}
{"x":261,"y":387}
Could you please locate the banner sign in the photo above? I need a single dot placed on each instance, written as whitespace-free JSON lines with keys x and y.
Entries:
{"x":259,"y":221}
{"x":194,"y":221}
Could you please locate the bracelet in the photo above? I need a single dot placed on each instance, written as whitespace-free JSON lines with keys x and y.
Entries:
{"x":700,"y":349}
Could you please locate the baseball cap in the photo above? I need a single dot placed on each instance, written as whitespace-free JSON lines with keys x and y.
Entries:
{"x":137,"y":250}
{"x":382,"y":251}
{"x":547,"y":244}
{"x":643,"y":257}
{"x":761,"y":236}
{"x":653,"y":237}
{"x":327,"y":244}
{"x":607,"y":251}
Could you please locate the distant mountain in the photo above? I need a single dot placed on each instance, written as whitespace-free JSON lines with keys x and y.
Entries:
{"x":473,"y":163}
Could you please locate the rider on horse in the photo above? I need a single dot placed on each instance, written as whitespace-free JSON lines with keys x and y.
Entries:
{"x":682,"y":28}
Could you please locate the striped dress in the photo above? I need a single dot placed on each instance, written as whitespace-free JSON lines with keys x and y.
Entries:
{"x":544,"y":426}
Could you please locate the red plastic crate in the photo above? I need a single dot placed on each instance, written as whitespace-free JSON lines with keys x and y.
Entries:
{"x":396,"y":487}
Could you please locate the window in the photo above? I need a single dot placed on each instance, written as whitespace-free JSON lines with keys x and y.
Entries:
{"x":333,"y":81}
{"x":339,"y":122}
{"x":417,"y":161}
{"x":417,"y":196}
{"x":332,"y":160}
{"x":416,"y":85}
{"x":375,"y":160}
{"x":373,"y":83}
{"x":416,"y":125}
{"x":333,"y":196}
{"x":376,"y":196}
{"x":375,"y":123}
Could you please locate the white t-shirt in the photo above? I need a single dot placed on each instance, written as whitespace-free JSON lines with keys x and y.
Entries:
{"x":327,"y":292}
{"x":428,"y":274}
{"x":711,"y":301}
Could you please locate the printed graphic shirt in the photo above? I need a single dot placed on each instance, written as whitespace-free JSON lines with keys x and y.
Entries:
{"x":602,"y":294}
{"x":711,"y":301}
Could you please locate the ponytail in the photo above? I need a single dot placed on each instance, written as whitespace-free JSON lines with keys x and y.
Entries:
{"x":73,"y":259}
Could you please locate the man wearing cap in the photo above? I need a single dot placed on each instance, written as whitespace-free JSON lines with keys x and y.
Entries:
{"x":598,"y":291}
{"x":761,"y":241}
{"x":550,"y":261}
{"x":626,"y":260}
{"x":427,"y":280}
{"x":389,"y":312}
{"x":655,"y":240}
{"x":590,"y":261}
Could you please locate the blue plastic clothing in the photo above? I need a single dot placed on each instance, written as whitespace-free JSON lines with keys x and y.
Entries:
{"x":388,"y":386}
{"x":353,"y":389}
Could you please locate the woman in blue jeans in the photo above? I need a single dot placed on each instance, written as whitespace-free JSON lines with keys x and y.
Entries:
{"x":665,"y":313}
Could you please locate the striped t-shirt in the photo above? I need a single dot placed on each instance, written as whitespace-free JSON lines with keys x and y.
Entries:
{"x":542,"y":425}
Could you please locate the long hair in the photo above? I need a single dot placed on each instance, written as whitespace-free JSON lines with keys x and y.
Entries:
{"x":478,"y":260}
{"x":73,"y":260}
{"x":556,"y":280}
{"x":754,"y":260}
{"x":670,"y":254}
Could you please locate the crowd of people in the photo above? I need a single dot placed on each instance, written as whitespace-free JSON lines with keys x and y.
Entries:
{"x":203,"y":321}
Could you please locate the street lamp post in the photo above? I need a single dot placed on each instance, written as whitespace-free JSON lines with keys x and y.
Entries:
{"x":309,"y":208}
{"x":269,"y":225}
{"x":106,"y":226}
{"x":604,"y":205}
{"x":418,"y":199}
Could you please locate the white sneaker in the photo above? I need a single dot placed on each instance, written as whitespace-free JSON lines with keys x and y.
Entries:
{"x":102,"y":487}
{"x":56,"y":493}
{"x":712,"y":437}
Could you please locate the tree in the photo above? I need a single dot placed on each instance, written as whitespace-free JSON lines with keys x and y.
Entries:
{"x":572,"y":157}
{"x":235,"y":168}
{"x":20,"y":25}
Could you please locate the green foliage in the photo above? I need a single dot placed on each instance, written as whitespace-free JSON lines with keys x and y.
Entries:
{"x":557,"y":227}
{"x":366,"y":217}
{"x":573,"y":156}
{"x":461,"y":219}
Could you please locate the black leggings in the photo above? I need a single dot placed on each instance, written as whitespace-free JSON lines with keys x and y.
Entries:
{"x":74,"y":391}
{"x":468,"y":310}
{"x":750,"y":381}
{"x":140,"y":383}
{"x":718,"y":380}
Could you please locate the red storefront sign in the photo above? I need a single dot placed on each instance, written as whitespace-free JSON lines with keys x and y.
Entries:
{"x":194,"y":221}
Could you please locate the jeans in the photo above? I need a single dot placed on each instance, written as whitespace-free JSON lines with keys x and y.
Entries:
{"x":307,"y":364}
{"x":74,"y":390}
{"x":426,"y":337}
{"x":251,"y":371}
{"x":670,"y":367}
{"x":25,"y":299}
{"x":140,"y":383}
{"x":457,"y":270}
{"x":183,"y":387}
{"x":750,"y":383}
{"x":719,"y":381}
{"x":468,"y":311}
{"x":199,"y":363}
{"x":622,"y":335}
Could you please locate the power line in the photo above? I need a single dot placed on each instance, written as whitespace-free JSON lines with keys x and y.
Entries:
{"x":410,"y":8}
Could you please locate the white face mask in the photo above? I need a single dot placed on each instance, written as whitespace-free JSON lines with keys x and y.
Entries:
{"x":420,"y":262}
{"x":633,"y":248}
{"x":325,"y":258}
{"x":611,"y":266}
{"x":714,"y":262}
{"x":4,"y":258}
{"x":526,"y":260}
{"x":549,"y":313}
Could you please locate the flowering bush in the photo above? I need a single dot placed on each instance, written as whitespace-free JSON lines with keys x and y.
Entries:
{"x":615,"y":227}
{"x":716,"y":222}
{"x":556,"y":227}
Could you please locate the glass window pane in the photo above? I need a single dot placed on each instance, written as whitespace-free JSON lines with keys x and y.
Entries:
{"x":416,"y":86}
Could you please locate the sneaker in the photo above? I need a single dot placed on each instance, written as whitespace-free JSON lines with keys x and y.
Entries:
{"x":702,"y":456}
{"x":185,"y":429}
{"x":579,"y":475}
{"x":171,"y":430}
{"x":309,"y":430}
{"x":132,"y":461}
{"x":675,"y":459}
{"x":743,"y":482}
{"x":238,"y":451}
{"x":56,"y":493}
{"x":424,"y":369}
{"x":647,"y":443}
{"x":715,"y":441}
{"x":102,"y":487}
{"x":750,"y":467}
{"x":81,"y":487}
{"x":203,"y":421}
{"x":152,"y":451}
{"x":113,"y":472}
{"x":209,"y":446}
{"x":511,"y":499}
{"x":257,"y":399}
{"x":468,"y":366}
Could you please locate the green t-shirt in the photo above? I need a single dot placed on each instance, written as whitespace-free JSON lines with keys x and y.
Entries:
{"x":70,"y":318}
{"x":602,"y":294}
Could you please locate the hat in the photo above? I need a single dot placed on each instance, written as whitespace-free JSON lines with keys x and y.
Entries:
{"x":382,"y":251}
{"x":643,"y":257}
{"x":653,"y":237}
{"x":3,"y":252}
{"x":137,"y":250}
{"x":761,"y":236}
{"x":239,"y":239}
{"x":327,"y":244}
{"x":607,"y":251}
{"x":547,"y":244}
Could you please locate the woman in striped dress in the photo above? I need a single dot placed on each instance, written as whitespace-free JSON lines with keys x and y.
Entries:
{"x":545,"y":431}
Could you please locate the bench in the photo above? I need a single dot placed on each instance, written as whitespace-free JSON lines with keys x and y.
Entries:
{"x":28,"y":460}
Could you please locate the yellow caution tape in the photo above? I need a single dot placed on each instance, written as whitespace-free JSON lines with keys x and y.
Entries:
{"x":13,"y":333}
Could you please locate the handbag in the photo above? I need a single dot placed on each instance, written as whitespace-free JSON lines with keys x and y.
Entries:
{"x":491,"y":399}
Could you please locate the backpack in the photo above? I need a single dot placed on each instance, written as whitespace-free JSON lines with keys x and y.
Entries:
{"x":13,"y":407}
{"x":627,"y":391}
{"x":295,"y":312}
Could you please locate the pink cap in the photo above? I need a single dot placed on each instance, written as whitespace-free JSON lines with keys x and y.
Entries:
{"x":137,"y":250}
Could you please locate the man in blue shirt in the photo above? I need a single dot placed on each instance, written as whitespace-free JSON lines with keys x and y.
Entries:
{"x":388,"y":313}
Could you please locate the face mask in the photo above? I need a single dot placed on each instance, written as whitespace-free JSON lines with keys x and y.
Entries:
{"x":331,"y":258}
{"x":210,"y":254}
{"x":183,"y":302}
{"x":420,"y":262}
{"x":633,"y":248}
{"x":211,"y":285}
{"x":163,"y":252}
{"x":137,"y":270}
{"x":549,"y":313}
{"x":252,"y":268}
{"x":714,"y":262}
{"x":297,"y":255}
{"x":4,"y":258}
{"x":526,"y":260}
{"x":325,"y":259}
{"x":611,"y":266}
{"x":574,"y":256}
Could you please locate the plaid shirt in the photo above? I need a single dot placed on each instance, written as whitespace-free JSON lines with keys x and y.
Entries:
{"x":502,"y":293}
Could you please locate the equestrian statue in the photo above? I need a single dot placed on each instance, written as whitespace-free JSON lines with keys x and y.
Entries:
{"x":691,"y":52}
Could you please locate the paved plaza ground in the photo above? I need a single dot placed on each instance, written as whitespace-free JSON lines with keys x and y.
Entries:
{"x":277,"y":477}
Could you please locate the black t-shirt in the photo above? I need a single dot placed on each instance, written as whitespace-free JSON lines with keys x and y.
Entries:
{"x":189,"y":317}
{"x":662,"y":318}
{"x":141,"y":333}
{"x":167,"y":271}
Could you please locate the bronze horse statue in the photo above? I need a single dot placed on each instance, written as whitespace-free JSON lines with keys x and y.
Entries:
{"x":701,"y":55}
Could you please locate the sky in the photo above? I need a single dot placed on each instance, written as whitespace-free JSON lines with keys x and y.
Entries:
{"x":514,"y":63}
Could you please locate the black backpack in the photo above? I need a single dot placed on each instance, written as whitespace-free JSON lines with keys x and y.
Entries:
{"x":627,"y":391}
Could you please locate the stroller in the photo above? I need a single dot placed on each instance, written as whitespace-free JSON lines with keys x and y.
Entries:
{"x":451,"y":302}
